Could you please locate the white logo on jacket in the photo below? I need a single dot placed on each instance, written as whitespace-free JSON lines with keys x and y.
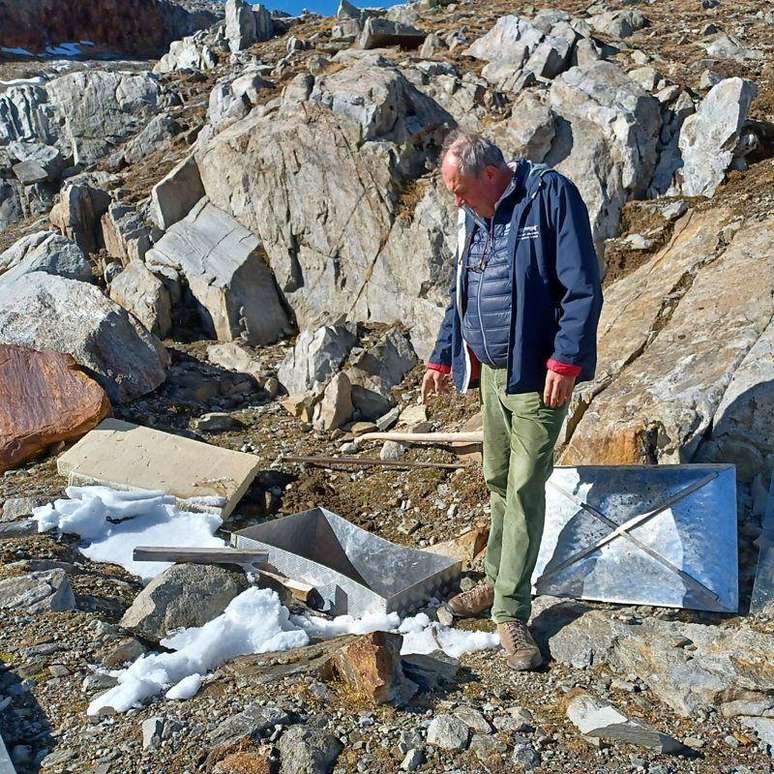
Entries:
{"x":528,"y":232}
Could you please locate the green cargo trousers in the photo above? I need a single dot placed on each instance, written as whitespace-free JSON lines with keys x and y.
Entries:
{"x":520,"y":433}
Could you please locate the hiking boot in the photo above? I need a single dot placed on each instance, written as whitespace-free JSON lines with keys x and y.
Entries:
{"x":522,"y":652}
{"x":470,"y":604}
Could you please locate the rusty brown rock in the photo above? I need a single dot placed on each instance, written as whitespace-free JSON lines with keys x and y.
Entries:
{"x":47,"y":398}
{"x":370,"y":667}
{"x":251,"y":761}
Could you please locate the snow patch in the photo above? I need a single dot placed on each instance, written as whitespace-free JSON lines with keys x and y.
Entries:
{"x":18,"y":51}
{"x":186,"y":688}
{"x":114,"y":523}
{"x":64,"y":49}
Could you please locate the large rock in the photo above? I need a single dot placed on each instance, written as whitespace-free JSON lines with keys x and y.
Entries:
{"x":183,"y":596}
{"x":370,"y":668}
{"x":684,"y":343}
{"x":36,"y":162}
{"x":327,"y":205}
{"x":233,"y":289}
{"x":247,"y":24}
{"x":77,"y":214}
{"x":42,"y":311}
{"x":143,"y":294}
{"x":190,"y":53}
{"x":619,"y":24}
{"x":124,"y":233}
{"x":687,"y":666}
{"x":375,"y":372}
{"x":710,"y":137}
{"x":602,"y":720}
{"x":37,"y":592}
{"x":101,"y":108}
{"x":335,"y":408}
{"x":606,"y":140}
{"x":380,"y":33}
{"x":316,"y":358}
{"x":173,"y":197}
{"x":448,"y":733}
{"x":44,"y":251}
{"x":46,"y":399}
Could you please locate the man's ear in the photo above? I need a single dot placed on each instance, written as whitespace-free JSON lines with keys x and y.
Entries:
{"x":490,"y":172}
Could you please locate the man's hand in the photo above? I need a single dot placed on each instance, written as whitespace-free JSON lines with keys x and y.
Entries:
{"x":434,"y":381}
{"x":558,"y":389}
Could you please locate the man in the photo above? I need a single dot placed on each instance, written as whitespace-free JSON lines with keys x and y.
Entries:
{"x":521,"y":325}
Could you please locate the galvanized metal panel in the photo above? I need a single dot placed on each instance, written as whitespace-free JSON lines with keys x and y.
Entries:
{"x":762,"y":600}
{"x":657,"y":535}
{"x":354,"y":570}
{"x":6,"y":766}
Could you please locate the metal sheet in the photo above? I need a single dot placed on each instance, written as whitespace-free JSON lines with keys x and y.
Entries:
{"x":762,"y":600}
{"x":355,"y":570}
{"x":6,"y":767}
{"x":653,"y":535}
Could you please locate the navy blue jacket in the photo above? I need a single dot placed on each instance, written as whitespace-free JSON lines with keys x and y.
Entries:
{"x":556,"y":290}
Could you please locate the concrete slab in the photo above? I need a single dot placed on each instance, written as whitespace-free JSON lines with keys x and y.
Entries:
{"x":127,"y":456}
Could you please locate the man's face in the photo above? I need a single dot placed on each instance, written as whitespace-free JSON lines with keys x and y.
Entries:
{"x":479,"y":193}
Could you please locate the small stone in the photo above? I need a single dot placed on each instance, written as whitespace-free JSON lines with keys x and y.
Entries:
{"x":413,"y":760}
{"x":98,"y":681}
{"x":217,"y":422}
{"x":392,"y":450}
{"x":448,"y":733}
{"x":152,"y":730}
{"x":58,"y":670}
{"x":526,"y":756}
{"x":473,"y":719}
{"x":444,"y":616}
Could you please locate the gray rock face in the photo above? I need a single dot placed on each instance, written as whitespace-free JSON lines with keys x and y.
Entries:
{"x":336,"y":407}
{"x":124,"y":233}
{"x":233,"y":289}
{"x":37,"y":592}
{"x":307,"y":750}
{"x":44,"y":251}
{"x":191,"y":53}
{"x":601,"y":720}
{"x":530,"y":130}
{"x":42,"y":311}
{"x":448,"y":733}
{"x":138,"y":291}
{"x":173,"y":197}
{"x":331,"y":229}
{"x":619,"y":24}
{"x":316,"y":358}
{"x":102,"y":108}
{"x":606,"y":139}
{"x":247,"y":24}
{"x":709,"y":138}
{"x":251,"y":723}
{"x":184,"y":595}
{"x":36,"y":162}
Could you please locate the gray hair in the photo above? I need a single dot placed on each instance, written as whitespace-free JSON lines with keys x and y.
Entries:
{"x":472,"y":152}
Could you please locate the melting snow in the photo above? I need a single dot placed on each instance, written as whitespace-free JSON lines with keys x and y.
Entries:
{"x":19,"y":51}
{"x":64,"y":49}
{"x":112,"y":523}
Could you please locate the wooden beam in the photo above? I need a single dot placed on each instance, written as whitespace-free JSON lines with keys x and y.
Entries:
{"x":251,"y":560}
{"x":476,"y":436}
{"x":327,"y":462}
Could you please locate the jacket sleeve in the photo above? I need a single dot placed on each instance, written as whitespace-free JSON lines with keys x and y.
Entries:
{"x":577,"y":270}
{"x":441,"y":357}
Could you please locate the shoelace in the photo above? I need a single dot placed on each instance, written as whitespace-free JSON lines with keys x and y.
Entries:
{"x":518,"y":633}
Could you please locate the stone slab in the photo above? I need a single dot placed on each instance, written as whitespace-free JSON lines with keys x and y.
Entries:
{"x":128,"y":456}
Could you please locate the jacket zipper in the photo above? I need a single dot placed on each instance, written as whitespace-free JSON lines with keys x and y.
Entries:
{"x":490,"y":241}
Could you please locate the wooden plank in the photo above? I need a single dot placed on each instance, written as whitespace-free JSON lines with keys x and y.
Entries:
{"x":330,"y":461}
{"x":241,"y":557}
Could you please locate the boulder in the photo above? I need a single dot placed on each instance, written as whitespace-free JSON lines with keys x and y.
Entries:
{"x":102,"y":108}
{"x":380,"y":33}
{"x":157,"y":135}
{"x":173,"y":197}
{"x":190,"y":53}
{"x":247,"y":24}
{"x":37,"y":592}
{"x":308,"y":750}
{"x":600,"y":719}
{"x":618,"y":24}
{"x":377,"y":370}
{"x":44,"y":251}
{"x":316,"y":358}
{"x":233,"y":290}
{"x":143,"y":294}
{"x":27,"y":116}
{"x":36,"y":162}
{"x":335,"y":408}
{"x":512,"y":38}
{"x":45,"y":312}
{"x":77,"y":214}
{"x":46,"y":399}
{"x":667,"y":360}
{"x":124,"y":233}
{"x":709,"y":138}
{"x":530,"y":130}
{"x":183,"y":596}
{"x":370,"y":668}
{"x":606,"y":140}
{"x":235,"y":357}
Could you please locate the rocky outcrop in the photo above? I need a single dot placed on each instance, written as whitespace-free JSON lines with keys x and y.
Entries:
{"x":42,"y":311}
{"x":141,"y":27}
{"x":47,"y":398}
{"x":37,"y":592}
{"x":143,"y":294}
{"x":44,"y":251}
{"x":233,"y":290}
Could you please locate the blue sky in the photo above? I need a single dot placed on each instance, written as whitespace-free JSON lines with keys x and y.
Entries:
{"x":325,"y":7}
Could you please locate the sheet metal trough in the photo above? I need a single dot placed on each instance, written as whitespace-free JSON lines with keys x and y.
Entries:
{"x":354,"y":570}
{"x":653,"y":535}
{"x":762,"y":600}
